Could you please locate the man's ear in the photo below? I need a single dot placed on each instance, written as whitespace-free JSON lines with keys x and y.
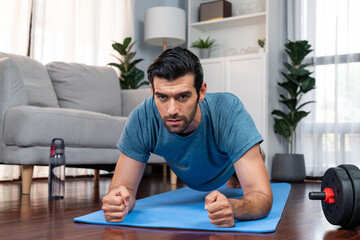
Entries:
{"x":202,"y":92}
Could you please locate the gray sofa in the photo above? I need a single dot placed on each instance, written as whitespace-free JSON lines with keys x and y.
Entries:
{"x":81,"y":104}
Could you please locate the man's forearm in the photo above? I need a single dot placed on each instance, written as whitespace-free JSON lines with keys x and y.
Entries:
{"x":253,"y":206}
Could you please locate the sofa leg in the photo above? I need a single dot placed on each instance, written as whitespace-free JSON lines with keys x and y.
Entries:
{"x":173,"y":177}
{"x":96,"y":174}
{"x":26,"y":175}
{"x":164,"y":172}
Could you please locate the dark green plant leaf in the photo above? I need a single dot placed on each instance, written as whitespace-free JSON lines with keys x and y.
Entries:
{"x":297,"y":51}
{"x":130,"y":46}
{"x":119,"y":48}
{"x":123,"y":85}
{"x":290,"y":78}
{"x":290,"y":87}
{"x":134,"y":63}
{"x":307,"y":85}
{"x":305,"y":65}
{"x":297,"y":117}
{"x":281,"y":114}
{"x":302,"y":105}
{"x":126,"y":42}
{"x":300,"y":72}
{"x":281,"y":127}
{"x":290,"y":103}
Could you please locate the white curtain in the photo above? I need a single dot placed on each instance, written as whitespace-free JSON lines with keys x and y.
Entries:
{"x":330,"y":135}
{"x":14,"y":38}
{"x":79,"y":31}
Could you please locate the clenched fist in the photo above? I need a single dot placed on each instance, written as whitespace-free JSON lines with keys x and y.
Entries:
{"x":116,"y":204}
{"x":220,"y":210}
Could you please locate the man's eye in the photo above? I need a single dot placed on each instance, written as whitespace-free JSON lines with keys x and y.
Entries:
{"x":162,"y":97}
{"x":183,"y":97}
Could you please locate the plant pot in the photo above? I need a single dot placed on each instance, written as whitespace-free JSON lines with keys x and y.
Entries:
{"x":288,"y":168}
{"x":205,"y":52}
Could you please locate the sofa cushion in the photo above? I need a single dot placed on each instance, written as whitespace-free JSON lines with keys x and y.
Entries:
{"x":28,"y":126}
{"x":91,"y":88}
{"x":33,"y":74}
{"x":12,"y":89}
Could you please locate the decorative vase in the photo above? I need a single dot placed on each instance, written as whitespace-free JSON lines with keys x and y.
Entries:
{"x":288,"y":168}
{"x":205,"y":52}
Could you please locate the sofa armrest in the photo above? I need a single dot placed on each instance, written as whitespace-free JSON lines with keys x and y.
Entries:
{"x":131,"y":98}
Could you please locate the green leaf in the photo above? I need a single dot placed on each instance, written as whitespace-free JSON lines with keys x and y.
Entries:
{"x":126,"y":42}
{"x":307,"y":85}
{"x":300,"y":72}
{"x":290,"y":103}
{"x":290,"y":87}
{"x":280,"y":114}
{"x":130,"y":46}
{"x":297,"y":51}
{"x":298,"y":116}
{"x":302,"y":105}
{"x":119,"y":48}
{"x":123,"y":85}
{"x":290,"y":78}
{"x":134,"y":63}
{"x":305,"y":65}
{"x":281,"y":127}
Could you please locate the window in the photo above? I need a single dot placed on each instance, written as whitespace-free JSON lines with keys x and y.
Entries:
{"x":331,"y":133}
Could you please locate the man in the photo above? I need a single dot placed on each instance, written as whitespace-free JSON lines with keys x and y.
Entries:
{"x":202,"y":139}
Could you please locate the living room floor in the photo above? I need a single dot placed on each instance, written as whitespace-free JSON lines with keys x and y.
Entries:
{"x":35,"y":217}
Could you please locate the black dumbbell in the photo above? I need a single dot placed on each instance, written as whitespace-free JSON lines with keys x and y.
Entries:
{"x":341,"y":195}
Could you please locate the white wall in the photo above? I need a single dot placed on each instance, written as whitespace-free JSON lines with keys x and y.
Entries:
{"x":277,"y":36}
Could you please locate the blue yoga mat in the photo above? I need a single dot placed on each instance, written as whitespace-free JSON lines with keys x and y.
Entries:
{"x":184,"y":209}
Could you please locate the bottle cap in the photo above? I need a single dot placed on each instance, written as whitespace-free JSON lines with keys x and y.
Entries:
{"x":59,"y":145}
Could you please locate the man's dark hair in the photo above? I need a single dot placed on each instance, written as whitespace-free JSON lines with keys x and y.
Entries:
{"x":174,"y":63}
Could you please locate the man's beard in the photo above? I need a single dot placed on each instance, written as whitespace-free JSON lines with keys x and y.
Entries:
{"x":184,"y":123}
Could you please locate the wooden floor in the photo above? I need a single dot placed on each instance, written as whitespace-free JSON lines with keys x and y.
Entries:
{"x":36,"y":217}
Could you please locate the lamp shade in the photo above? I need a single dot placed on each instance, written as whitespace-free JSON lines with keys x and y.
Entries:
{"x":164,"y":24}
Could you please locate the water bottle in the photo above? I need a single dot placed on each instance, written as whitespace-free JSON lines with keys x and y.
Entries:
{"x":57,"y":169}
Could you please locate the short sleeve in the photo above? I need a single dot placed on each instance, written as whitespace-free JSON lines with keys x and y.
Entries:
{"x":239,"y":131}
{"x":135,"y":141}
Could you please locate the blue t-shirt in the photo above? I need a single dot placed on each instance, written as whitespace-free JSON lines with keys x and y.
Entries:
{"x":204,"y":159}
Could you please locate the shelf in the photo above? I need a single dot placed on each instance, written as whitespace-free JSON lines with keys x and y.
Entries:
{"x":230,"y":22}
{"x":241,"y":56}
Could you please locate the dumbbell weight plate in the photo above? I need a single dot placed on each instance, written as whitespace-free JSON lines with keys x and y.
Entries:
{"x":354,"y":175}
{"x":340,"y":212}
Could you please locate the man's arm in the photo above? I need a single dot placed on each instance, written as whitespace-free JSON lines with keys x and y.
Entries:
{"x":257,"y":200}
{"x":120,"y":199}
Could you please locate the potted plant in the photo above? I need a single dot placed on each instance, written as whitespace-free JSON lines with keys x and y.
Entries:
{"x":204,"y":46}
{"x":261,"y":43}
{"x":130,"y":76}
{"x":291,"y":167}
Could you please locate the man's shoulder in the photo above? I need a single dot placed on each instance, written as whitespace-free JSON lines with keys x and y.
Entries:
{"x":222,"y":98}
{"x":147,"y":105}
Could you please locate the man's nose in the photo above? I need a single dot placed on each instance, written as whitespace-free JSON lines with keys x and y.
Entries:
{"x":173,"y":107}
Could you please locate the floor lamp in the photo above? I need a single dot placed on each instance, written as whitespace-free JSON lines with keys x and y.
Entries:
{"x":164,"y":26}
